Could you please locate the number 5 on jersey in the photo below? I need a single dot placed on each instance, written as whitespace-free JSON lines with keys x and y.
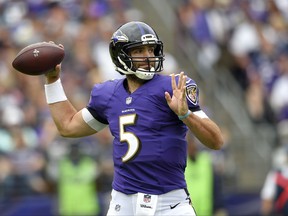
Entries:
{"x":134,"y":144}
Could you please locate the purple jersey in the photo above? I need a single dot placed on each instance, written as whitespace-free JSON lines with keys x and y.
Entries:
{"x":149,"y":148}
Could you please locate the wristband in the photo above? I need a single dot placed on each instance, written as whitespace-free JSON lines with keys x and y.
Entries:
{"x":185,"y":116}
{"x":54,"y":92}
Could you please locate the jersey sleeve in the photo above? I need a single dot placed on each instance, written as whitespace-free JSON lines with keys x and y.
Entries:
{"x":91,"y":121}
{"x":192,"y":95}
{"x":99,"y":100}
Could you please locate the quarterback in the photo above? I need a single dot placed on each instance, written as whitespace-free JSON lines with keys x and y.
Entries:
{"x":148,"y":115}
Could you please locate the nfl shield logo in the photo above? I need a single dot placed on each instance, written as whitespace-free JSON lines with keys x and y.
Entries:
{"x":128,"y":100}
{"x":147,"y":198}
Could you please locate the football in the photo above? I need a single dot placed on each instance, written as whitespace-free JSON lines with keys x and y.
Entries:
{"x":38,"y":58}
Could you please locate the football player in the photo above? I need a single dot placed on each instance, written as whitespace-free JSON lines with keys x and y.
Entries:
{"x":148,"y":115}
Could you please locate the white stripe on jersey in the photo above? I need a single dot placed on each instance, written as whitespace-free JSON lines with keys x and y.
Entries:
{"x":91,"y":121}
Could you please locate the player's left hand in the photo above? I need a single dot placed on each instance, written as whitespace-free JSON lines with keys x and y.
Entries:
{"x":178,"y":101}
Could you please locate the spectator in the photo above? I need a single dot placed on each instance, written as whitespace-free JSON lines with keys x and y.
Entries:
{"x":27,"y":168}
{"x":274,"y":191}
{"x":278,"y":97}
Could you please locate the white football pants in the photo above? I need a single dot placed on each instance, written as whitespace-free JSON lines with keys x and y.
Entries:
{"x":176,"y":202}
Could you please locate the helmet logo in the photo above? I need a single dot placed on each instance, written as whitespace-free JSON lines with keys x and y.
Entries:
{"x":149,"y":38}
{"x":119,"y":36}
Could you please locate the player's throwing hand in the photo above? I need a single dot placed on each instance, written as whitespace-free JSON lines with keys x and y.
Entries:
{"x":52,"y":76}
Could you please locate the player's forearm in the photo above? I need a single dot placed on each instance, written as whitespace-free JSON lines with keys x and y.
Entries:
{"x":61,"y":109}
{"x":205,"y":130}
{"x":69,"y":122}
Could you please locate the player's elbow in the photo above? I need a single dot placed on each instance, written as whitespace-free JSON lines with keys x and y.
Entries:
{"x":64,"y":132}
{"x":213,"y":142}
{"x":76,"y":132}
{"x":218,"y":143}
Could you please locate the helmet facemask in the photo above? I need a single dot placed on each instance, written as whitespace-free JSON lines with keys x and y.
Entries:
{"x":153,"y":64}
{"x":121,"y":45}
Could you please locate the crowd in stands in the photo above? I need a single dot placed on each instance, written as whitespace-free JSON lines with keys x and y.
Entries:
{"x":249,"y":38}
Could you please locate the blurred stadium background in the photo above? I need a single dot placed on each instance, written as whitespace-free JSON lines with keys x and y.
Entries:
{"x":236,"y":50}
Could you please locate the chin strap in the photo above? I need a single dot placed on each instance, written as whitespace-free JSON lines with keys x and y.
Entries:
{"x":140,"y":72}
{"x":144,"y":76}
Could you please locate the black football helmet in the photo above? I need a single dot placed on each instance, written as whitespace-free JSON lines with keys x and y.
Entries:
{"x":131,"y":35}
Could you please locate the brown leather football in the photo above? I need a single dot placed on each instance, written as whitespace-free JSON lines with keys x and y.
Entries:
{"x":38,"y":58}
